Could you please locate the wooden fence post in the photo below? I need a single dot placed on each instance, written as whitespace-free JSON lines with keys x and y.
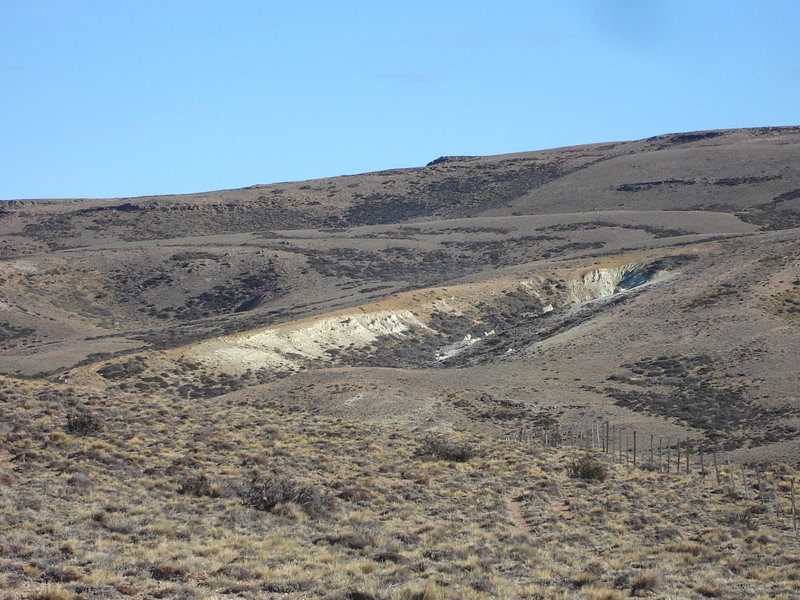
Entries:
{"x":611,"y":441}
{"x":627,"y":445}
{"x":669,"y":453}
{"x":716,"y":466}
{"x":687,"y":456}
{"x":731,"y":479}
{"x":651,"y":450}
{"x":794,"y":510}
{"x":607,"y":435}
{"x":744,"y":482}
{"x":776,"y":503}
{"x":634,"y":447}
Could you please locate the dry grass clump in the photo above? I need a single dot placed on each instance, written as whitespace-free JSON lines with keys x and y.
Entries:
{"x":647,"y":581}
{"x":162,"y":502}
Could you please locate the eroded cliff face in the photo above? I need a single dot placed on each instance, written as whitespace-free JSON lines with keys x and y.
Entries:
{"x":599,"y":283}
{"x":435,"y":313}
{"x":291,"y":346}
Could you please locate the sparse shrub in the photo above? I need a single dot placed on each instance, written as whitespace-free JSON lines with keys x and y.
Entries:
{"x":83,"y":423}
{"x":355,"y":540}
{"x":601,"y":592}
{"x":644,"y":582}
{"x":589,"y":468}
{"x":168,"y":573}
{"x":481,"y":583}
{"x":61,"y":574}
{"x":269,"y":493}
{"x":199,"y":486}
{"x":685,"y":547}
{"x":442,"y":448}
{"x":583,"y":579}
{"x":50,"y":591}
{"x":389,"y":556}
{"x":710,"y":590}
{"x":235,"y":572}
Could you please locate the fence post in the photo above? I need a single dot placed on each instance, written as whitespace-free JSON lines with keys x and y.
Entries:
{"x":627,"y":446}
{"x":776,"y":501}
{"x":607,"y":436}
{"x":716,"y":466}
{"x":687,"y":456}
{"x":651,"y":450}
{"x":744,"y":482}
{"x":702,"y":465}
{"x":660,"y":454}
{"x":634,"y":447}
{"x":731,"y":479}
{"x":794,"y":510}
{"x":669,"y":453}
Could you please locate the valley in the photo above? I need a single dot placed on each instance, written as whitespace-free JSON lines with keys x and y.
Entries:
{"x":323,"y":333}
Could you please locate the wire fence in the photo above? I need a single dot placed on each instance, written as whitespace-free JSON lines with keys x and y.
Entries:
{"x":772,"y":487}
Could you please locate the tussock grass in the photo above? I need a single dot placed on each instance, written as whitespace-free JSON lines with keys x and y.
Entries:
{"x":192,"y":499}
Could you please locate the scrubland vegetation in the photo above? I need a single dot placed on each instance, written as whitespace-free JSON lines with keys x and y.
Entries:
{"x":305,"y":390}
{"x":149,"y":497}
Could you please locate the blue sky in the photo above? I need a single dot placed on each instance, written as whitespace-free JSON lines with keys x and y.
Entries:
{"x":112,"y":98}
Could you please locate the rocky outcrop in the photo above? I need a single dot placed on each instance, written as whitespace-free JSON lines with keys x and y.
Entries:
{"x":434,"y":312}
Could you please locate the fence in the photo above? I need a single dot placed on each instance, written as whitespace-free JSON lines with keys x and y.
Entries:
{"x":668,"y":455}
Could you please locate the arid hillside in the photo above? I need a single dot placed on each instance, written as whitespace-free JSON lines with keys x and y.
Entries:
{"x":341,"y":338}
{"x":551,"y":277}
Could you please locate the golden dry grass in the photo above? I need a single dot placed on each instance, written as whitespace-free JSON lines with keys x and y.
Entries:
{"x":101,"y":515}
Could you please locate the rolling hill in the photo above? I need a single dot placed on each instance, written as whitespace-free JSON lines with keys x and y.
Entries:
{"x":329,"y":329}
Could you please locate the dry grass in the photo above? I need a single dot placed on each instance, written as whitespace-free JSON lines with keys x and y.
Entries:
{"x":102,"y":515}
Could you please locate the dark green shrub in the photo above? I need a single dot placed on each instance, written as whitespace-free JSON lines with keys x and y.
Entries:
{"x":589,"y":468}
{"x":83,"y":424}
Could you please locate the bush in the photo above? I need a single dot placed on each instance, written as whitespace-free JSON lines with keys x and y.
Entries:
{"x":83,"y":424}
{"x":199,"y":486}
{"x":653,"y":467}
{"x":588,"y":468}
{"x":440,"y":447}
{"x":267,"y":494}
{"x":644,"y":582}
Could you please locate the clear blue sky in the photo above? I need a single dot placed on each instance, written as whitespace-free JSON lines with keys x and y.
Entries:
{"x":128,"y":98}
